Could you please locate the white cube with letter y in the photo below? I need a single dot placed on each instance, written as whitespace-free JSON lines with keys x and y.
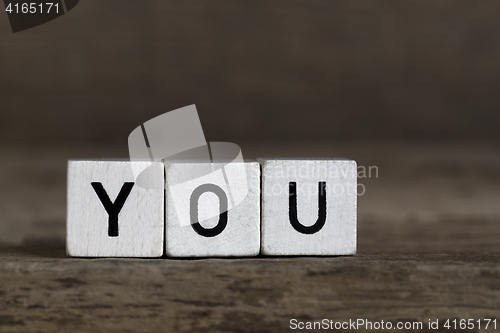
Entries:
{"x":109,"y":214}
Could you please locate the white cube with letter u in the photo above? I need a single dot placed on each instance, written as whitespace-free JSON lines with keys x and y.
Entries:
{"x":308,"y":206}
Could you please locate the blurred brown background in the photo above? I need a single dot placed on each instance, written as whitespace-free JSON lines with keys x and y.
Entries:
{"x":260,"y":70}
{"x":411,"y":87}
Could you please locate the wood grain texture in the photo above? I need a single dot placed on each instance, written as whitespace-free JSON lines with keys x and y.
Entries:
{"x":43,"y":290}
{"x":428,"y":247}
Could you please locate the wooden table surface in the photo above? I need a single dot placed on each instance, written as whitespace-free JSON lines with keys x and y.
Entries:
{"x":428,"y":248}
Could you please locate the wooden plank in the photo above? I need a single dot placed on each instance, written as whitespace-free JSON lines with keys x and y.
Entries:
{"x":428,"y":247}
{"x":43,"y":290}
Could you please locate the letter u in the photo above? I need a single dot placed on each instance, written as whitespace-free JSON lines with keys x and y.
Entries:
{"x":292,"y":210}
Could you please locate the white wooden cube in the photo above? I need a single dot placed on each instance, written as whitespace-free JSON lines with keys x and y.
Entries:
{"x":308,"y":207}
{"x":196,"y":198}
{"x":109,"y":215}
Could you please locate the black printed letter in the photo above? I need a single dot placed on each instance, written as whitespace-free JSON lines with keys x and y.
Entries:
{"x":113,"y":209}
{"x":193,"y":202}
{"x":292,"y":212}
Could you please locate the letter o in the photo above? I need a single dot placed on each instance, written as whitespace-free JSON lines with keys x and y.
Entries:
{"x":193,"y":204}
